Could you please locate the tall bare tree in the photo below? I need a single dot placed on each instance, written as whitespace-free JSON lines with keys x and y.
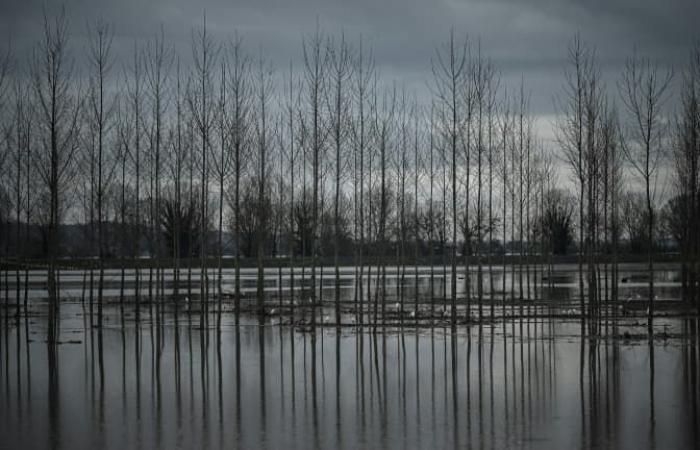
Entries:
{"x":5,"y":64}
{"x":59,"y":107}
{"x":686,"y":168}
{"x":315,"y":71}
{"x":264,"y":138}
{"x":570,"y":132}
{"x":101,"y":109}
{"x":222,"y":167}
{"x":644,"y":89}
{"x":134,"y":91}
{"x":363,"y":74}
{"x":158,"y":62}
{"x":178,"y":158}
{"x":340,"y":62}
{"x":450,"y":71}
{"x":201,"y":102}
{"x":240,"y":95}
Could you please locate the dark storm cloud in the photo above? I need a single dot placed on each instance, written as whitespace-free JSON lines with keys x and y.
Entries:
{"x":524,"y":37}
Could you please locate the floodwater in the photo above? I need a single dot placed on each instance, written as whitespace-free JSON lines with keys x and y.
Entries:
{"x":558,"y":282}
{"x":166,"y":382}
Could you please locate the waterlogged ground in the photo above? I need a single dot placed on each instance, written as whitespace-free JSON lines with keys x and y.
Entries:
{"x":168,"y":383}
{"x":559,"y":282}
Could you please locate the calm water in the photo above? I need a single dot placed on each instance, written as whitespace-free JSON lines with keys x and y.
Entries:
{"x":531,"y":384}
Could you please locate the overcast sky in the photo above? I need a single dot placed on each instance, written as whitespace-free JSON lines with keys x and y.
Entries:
{"x":525,"y":38}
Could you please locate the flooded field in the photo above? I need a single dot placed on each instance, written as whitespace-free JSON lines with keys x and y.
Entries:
{"x":513,"y":381}
{"x":558,"y":282}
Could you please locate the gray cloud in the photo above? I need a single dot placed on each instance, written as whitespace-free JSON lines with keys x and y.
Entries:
{"x":525,"y":38}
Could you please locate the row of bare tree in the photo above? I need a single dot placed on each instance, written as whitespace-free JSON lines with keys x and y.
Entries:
{"x":326,"y":161}
{"x":644,"y":143}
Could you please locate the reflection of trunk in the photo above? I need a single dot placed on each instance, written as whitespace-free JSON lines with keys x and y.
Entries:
{"x":53,"y":402}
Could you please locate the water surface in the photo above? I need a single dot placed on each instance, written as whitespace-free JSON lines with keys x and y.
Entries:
{"x":167,"y":383}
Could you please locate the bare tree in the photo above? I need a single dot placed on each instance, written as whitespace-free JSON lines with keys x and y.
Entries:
{"x":58,"y":125}
{"x":24,"y":147}
{"x":18,"y":133}
{"x":644,"y":88}
{"x":384,"y":118}
{"x":612,"y":181}
{"x":686,"y":168}
{"x":506,"y":136}
{"x":417,"y":170}
{"x":400,"y":162}
{"x":315,"y":68}
{"x":483,"y":78}
{"x":123,"y":155}
{"x":158,"y":62}
{"x":134,"y":86}
{"x":340,"y":63}
{"x":201,"y":101}
{"x":101,"y":109}
{"x":450,"y":72}
{"x":592,"y":112}
{"x":178,"y":159}
{"x":570,"y":131}
{"x":264,"y":138}
{"x":492,"y":137}
{"x":239,"y":85}
{"x":222,"y":167}
{"x":363,"y":74}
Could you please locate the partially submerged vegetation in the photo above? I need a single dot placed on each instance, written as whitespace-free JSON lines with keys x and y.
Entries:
{"x":230,"y":163}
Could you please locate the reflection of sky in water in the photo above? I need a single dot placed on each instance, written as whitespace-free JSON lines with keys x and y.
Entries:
{"x":255,"y":387}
